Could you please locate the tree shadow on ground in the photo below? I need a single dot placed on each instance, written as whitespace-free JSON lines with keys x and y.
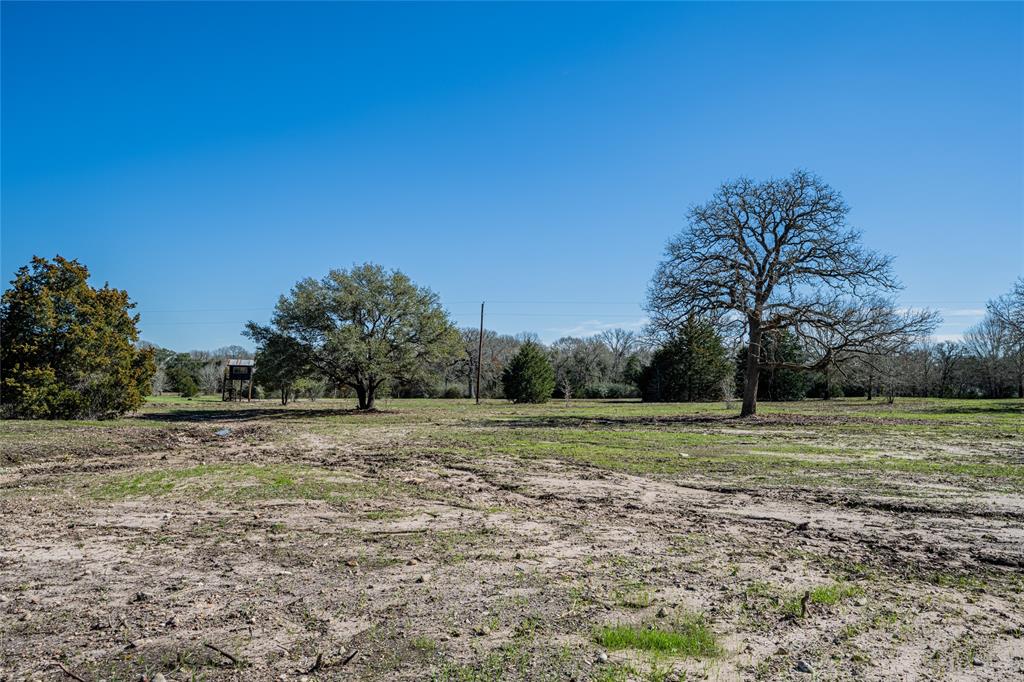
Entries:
{"x":1015,"y":407}
{"x":257,"y":414}
{"x":668,"y":421}
{"x":557,"y":422}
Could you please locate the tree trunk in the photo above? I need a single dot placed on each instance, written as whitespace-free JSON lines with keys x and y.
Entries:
{"x":371,"y":395}
{"x":753,"y":372}
{"x":284,"y":396}
{"x":361,"y":395}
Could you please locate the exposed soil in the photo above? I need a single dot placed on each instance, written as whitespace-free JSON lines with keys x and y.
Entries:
{"x":386,"y":562}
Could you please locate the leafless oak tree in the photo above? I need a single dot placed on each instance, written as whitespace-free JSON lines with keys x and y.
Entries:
{"x":775,"y":255}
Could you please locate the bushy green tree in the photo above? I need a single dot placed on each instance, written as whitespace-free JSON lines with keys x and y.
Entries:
{"x":529,"y":377}
{"x":183,"y":374}
{"x":780,"y":377}
{"x":69,"y":350}
{"x":280,"y":363}
{"x":692,"y":365}
{"x":363,"y":327}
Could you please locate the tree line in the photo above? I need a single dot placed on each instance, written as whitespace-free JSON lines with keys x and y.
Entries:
{"x":766,"y":294}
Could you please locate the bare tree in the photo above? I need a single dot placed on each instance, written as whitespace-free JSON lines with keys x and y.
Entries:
{"x":621,"y":343}
{"x":158,"y":384}
{"x":947,"y":357}
{"x":778,"y":255}
{"x":577,"y":363}
{"x":210,"y":376}
{"x":989,"y":343}
{"x":1008,"y":312}
{"x":1008,"y":309}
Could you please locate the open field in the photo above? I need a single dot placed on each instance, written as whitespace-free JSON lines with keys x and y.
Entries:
{"x":443,"y":540}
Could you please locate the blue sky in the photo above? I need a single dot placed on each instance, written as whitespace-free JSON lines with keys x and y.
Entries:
{"x":207,"y":156}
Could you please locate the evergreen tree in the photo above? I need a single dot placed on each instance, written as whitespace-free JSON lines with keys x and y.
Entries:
{"x":280,"y":363}
{"x":529,"y":377}
{"x":692,"y":366}
{"x":69,"y":350}
{"x":776,"y":382}
{"x":183,"y":374}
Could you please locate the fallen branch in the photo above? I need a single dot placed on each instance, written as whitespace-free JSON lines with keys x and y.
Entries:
{"x":69,"y":673}
{"x":222,"y":653}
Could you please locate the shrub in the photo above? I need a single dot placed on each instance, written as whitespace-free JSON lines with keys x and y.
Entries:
{"x":187,"y":387}
{"x":529,"y":378}
{"x":610,"y":390}
{"x":453,"y":392}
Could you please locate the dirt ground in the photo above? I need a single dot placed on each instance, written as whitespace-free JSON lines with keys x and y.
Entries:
{"x":442,"y":540}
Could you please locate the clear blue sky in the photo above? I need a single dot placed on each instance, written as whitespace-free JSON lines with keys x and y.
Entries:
{"x":206,"y":156}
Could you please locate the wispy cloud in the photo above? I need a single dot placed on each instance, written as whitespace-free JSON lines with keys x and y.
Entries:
{"x":939,"y":338}
{"x":962,"y":312}
{"x":591,"y":327}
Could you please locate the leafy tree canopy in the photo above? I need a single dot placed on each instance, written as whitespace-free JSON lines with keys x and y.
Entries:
{"x":69,"y":350}
{"x":363,"y":327}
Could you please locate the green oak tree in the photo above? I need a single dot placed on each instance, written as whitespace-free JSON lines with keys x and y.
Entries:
{"x":363,"y":327}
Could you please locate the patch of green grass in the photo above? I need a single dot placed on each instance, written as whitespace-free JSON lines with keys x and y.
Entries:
{"x":424,"y":645}
{"x":958,"y":581}
{"x":822,"y":595}
{"x":633,"y":596}
{"x":834,"y":593}
{"x":689,"y":637}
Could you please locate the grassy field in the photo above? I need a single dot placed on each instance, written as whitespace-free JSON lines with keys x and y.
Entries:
{"x":599,"y":540}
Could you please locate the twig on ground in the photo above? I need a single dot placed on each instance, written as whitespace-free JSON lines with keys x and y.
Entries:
{"x":69,"y":673}
{"x":222,"y":653}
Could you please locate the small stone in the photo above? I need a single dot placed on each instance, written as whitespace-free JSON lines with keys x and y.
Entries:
{"x":662,"y":612}
{"x":602,"y":657}
{"x":159,"y":677}
{"x":412,"y":562}
{"x":803,"y":667}
{"x":351,"y":563}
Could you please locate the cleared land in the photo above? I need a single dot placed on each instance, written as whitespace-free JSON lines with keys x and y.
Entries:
{"x":443,"y":540}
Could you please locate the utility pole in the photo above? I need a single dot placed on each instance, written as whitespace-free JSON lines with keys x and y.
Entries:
{"x":479,"y":352}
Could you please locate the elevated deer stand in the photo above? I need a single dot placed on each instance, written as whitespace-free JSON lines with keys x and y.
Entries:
{"x":240,"y":370}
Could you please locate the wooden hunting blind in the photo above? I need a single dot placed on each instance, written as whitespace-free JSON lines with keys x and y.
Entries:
{"x":240,"y":370}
